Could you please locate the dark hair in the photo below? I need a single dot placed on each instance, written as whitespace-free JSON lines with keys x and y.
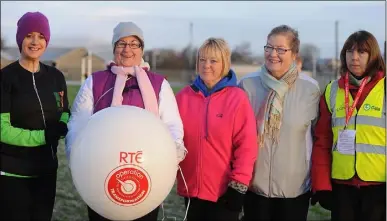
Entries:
{"x":291,"y":33}
{"x":364,"y":41}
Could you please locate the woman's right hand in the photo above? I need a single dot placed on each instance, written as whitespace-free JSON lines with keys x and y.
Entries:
{"x":181,"y":152}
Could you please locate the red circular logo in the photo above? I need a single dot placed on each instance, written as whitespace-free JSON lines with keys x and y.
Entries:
{"x":127,"y":185}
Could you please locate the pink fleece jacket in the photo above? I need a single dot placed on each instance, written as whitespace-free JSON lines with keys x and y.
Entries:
{"x":221,"y":138}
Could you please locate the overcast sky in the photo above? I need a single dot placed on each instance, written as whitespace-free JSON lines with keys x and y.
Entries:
{"x":166,"y":24}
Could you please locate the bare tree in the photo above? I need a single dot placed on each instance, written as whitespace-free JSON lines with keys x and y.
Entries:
{"x":242,"y":53}
{"x":189,"y":55}
{"x":309,"y":53}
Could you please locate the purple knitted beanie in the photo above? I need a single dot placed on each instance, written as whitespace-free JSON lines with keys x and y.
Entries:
{"x":32,"y":22}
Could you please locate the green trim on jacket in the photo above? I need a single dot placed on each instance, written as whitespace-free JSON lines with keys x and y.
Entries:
{"x":15,"y":175}
{"x":65,"y":117}
{"x":17,"y":136}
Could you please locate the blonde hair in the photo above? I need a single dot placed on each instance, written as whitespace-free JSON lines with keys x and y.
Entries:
{"x":218,"y":48}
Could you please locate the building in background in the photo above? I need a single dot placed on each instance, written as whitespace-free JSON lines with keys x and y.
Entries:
{"x":67,"y":60}
{"x":6,"y":59}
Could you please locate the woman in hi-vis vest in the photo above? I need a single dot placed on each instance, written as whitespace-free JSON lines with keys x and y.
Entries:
{"x":349,"y":152}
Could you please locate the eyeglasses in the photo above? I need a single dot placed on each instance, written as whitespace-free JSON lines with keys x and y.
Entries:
{"x":132,"y":45}
{"x":269,"y":49}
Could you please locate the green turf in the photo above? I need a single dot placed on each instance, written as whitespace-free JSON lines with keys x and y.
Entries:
{"x":72,"y":92}
{"x":70,"y":207}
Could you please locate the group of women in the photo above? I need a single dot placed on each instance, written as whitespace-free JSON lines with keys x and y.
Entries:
{"x":269,"y":145}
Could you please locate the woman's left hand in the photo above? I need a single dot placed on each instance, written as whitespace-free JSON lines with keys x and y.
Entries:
{"x":232,"y":199}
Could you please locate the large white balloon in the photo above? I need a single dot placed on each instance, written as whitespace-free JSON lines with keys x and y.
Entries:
{"x":123,"y":162}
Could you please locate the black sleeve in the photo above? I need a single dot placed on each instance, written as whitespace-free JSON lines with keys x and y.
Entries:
{"x":5,"y":93}
{"x":10,"y":134}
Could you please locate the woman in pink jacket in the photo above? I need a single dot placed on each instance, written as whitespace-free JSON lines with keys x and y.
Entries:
{"x":220,"y":136}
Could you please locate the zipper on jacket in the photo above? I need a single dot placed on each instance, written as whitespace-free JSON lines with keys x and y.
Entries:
{"x":206,"y":118}
{"x":199,"y":172}
{"x":41,"y":109}
{"x":207,"y":102}
{"x":205,"y":130}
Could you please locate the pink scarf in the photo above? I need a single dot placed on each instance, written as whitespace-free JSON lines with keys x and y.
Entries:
{"x":146,"y":88}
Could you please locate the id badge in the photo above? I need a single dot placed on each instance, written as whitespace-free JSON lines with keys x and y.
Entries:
{"x":346,"y":142}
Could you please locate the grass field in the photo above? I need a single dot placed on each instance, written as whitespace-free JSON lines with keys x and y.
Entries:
{"x":70,"y":207}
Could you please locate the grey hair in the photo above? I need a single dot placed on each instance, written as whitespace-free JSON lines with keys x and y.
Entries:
{"x":291,"y":33}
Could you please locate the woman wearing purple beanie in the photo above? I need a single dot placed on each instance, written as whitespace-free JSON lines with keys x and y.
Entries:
{"x":34,"y":115}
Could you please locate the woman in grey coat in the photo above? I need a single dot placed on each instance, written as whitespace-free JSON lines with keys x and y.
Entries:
{"x":285,"y":104}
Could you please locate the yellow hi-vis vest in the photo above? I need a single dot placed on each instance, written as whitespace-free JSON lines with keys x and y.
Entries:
{"x":369,"y":161}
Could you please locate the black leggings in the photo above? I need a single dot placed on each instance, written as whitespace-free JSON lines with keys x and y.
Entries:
{"x":357,"y":204}
{"x":152,"y":216}
{"x":260,"y":208}
{"x":27,"y":198}
{"x":203,"y":210}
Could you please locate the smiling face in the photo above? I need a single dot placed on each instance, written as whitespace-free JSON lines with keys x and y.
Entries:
{"x":278,"y":55}
{"x":33,"y":46}
{"x":128,"y":52}
{"x":210,"y":67}
{"x":213,"y":61}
